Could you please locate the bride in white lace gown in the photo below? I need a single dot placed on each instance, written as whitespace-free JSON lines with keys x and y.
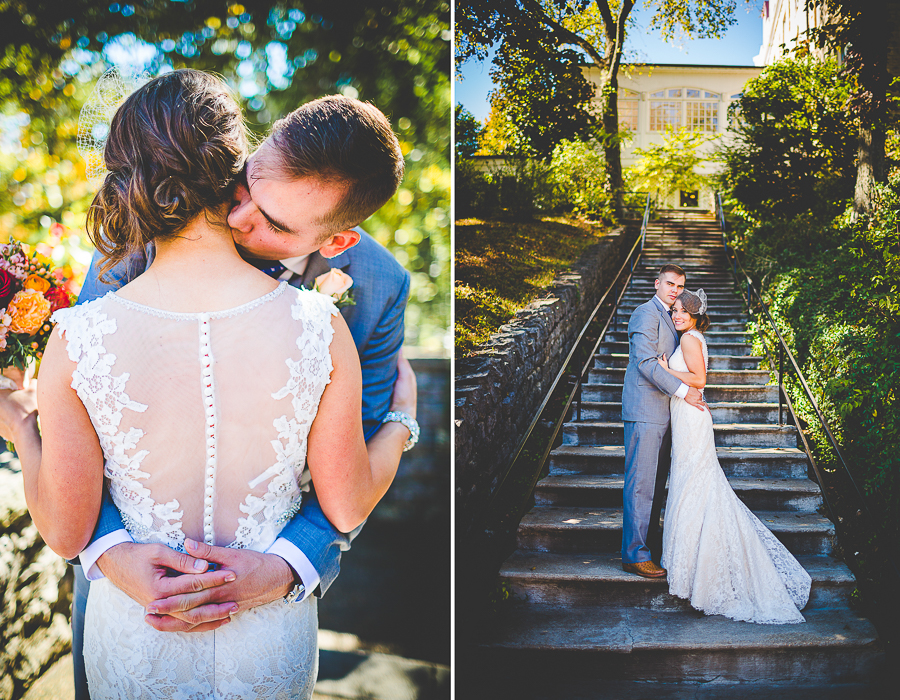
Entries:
{"x":717,"y":553}
{"x":199,"y":390}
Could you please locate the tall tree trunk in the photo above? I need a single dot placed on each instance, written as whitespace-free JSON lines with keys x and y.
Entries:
{"x":869,"y":168}
{"x":612,"y":146}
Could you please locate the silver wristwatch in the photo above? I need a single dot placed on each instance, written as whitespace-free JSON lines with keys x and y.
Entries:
{"x":296,"y":594}
{"x":409,"y":422}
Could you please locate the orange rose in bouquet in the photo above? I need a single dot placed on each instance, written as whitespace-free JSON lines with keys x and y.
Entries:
{"x":29,"y":293}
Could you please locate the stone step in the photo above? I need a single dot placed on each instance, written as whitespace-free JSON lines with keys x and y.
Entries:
{"x":716,"y":393}
{"x":611,"y":411}
{"x":549,"y":579}
{"x":605,"y":491}
{"x":606,"y":348}
{"x":556,"y":647}
{"x":639,"y":296}
{"x":620,"y":335}
{"x":753,"y":377}
{"x":574,"y":530}
{"x":619,"y":360}
{"x":715,"y":318}
{"x":619,"y":324}
{"x":726,"y":434}
{"x":730,"y":310}
{"x":774,"y":462}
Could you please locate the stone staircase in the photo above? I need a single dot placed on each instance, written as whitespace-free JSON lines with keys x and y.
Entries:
{"x":581,"y":627}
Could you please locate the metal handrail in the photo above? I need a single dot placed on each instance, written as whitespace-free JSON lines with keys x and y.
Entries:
{"x":620,"y":286}
{"x":784,"y":352}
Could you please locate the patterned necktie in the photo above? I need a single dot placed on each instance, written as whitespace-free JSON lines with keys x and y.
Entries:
{"x":273,"y":268}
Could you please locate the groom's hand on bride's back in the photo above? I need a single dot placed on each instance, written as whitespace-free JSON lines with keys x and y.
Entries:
{"x":695,"y":399}
{"x":149,"y":572}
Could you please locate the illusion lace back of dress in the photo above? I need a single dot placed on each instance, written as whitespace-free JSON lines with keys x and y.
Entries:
{"x":203,"y":421}
{"x":717,"y":553}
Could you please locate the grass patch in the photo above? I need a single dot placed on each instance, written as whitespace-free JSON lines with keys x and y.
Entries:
{"x":503,"y":266}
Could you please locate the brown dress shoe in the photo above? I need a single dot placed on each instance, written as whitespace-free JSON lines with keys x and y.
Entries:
{"x":647,"y":569}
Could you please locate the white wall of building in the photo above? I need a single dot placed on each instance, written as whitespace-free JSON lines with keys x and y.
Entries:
{"x":786,"y":24}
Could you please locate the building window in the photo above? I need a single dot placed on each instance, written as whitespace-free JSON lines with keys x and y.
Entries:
{"x":628,"y":109}
{"x":702,"y":116}
{"x":696,"y":109}
{"x":663,"y":114}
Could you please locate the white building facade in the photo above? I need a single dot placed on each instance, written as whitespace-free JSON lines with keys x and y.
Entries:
{"x":786,"y":26}
{"x":653,"y":98}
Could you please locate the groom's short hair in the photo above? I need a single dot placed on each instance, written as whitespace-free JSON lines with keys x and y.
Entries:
{"x":674,"y":269}
{"x":341,"y":140}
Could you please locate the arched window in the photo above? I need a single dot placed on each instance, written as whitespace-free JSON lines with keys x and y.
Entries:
{"x":628,"y":109}
{"x":697,"y":110}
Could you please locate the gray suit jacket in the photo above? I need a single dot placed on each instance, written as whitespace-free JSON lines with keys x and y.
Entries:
{"x":645,"y":395}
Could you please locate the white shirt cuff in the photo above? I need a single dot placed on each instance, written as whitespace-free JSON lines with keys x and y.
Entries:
{"x":299,"y":562}
{"x":96,"y":549}
{"x":682,"y":390}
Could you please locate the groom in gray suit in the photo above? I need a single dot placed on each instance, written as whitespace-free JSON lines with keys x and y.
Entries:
{"x":645,"y":412}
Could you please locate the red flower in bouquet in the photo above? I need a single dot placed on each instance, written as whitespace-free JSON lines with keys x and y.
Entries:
{"x":58,"y":297}
{"x":8,"y":287}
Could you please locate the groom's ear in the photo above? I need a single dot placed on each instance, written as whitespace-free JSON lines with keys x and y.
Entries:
{"x":338,"y":243}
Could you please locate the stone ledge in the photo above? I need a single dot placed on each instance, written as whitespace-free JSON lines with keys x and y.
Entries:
{"x":499,"y":388}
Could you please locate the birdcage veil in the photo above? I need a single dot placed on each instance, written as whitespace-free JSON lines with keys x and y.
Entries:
{"x":694,"y":302}
{"x":111,"y":90}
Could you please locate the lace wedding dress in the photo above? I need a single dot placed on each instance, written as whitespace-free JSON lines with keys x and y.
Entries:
{"x":717,"y":553}
{"x":203,"y":420}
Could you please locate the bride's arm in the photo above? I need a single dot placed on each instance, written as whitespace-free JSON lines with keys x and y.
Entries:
{"x":692,"y":350}
{"x":63,"y":475}
{"x":349,"y":481}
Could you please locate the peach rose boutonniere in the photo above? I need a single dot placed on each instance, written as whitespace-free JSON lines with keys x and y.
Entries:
{"x":336,"y":284}
{"x":28,"y":310}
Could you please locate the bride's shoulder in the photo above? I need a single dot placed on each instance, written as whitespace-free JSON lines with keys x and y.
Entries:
{"x":696,"y":334}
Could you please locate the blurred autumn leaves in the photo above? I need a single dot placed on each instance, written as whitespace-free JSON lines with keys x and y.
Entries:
{"x":276,"y":55}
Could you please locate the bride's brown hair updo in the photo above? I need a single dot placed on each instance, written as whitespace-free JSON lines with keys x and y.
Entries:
{"x":174,"y":150}
{"x":691,"y":303}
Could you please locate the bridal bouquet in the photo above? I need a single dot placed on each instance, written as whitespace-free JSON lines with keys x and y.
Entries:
{"x":30,"y":290}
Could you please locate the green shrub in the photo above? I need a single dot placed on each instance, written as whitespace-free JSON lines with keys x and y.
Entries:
{"x":577,"y":171}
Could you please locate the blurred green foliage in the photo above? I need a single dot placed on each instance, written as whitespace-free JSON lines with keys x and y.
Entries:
{"x":276,"y":55}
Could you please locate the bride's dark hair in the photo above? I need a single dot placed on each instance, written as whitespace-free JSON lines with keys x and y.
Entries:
{"x":174,"y":150}
{"x":690,"y":302}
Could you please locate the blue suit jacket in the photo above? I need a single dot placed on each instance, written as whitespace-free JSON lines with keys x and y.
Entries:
{"x":380,"y":290}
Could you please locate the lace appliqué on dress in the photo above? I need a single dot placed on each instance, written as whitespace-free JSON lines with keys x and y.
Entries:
{"x":307,"y":379}
{"x":716,"y":551}
{"x":103,"y":394}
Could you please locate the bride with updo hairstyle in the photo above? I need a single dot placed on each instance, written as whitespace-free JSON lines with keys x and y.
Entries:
{"x":692,"y":303}
{"x":174,"y":150}
{"x":206,"y":394}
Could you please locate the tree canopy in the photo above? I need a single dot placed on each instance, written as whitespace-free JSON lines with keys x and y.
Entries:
{"x":276,"y":54}
{"x":795,"y":143}
{"x":569,"y":30}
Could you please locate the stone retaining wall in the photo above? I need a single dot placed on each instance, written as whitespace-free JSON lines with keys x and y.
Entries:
{"x":499,"y":389}
{"x":36,"y":589}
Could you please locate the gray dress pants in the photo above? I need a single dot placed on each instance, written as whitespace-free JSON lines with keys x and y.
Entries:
{"x":648,"y":454}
